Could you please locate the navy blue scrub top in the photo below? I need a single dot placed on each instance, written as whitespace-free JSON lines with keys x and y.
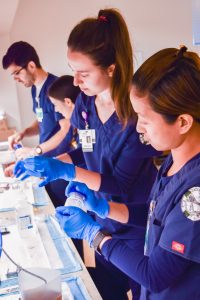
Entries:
{"x":174,"y":224}
{"x":125,"y":164}
{"x":50,"y":123}
{"x":172,"y":240}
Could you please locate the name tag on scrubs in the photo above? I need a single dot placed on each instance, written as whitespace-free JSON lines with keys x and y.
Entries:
{"x":39,"y":114}
{"x":87,"y":139}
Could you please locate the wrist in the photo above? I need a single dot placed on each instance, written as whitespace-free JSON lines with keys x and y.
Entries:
{"x":99,"y":239}
{"x":23,"y":133}
{"x":103,"y":241}
{"x":69,"y":171}
{"x":93,"y":230}
{"x":38,"y":150}
{"x":102,"y":209}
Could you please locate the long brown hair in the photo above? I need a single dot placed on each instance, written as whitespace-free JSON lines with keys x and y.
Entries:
{"x":171,"y":80}
{"x":106,"y":41}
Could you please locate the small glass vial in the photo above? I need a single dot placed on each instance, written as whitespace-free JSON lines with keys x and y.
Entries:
{"x":24,"y":215}
{"x":17,"y":146}
{"x":76,"y":199}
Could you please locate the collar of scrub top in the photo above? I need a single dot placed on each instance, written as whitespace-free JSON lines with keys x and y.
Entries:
{"x":38,"y":91}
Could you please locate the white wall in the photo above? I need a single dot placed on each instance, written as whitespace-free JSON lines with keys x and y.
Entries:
{"x":46,"y":24}
{"x":8,"y":92}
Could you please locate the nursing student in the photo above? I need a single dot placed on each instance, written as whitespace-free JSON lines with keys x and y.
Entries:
{"x":62,"y":93}
{"x":119,"y":166}
{"x":22,"y":62}
{"x":166,"y":97}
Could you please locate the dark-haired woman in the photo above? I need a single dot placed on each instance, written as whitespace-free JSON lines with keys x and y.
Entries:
{"x":119,"y":167}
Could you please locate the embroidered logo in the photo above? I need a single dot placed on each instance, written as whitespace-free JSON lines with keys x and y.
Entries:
{"x":178,"y":247}
{"x":190,"y":204}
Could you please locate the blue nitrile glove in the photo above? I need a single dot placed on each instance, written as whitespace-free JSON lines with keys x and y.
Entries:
{"x":76,"y":223}
{"x":48,"y":168}
{"x":20,"y":171}
{"x":92,"y":203}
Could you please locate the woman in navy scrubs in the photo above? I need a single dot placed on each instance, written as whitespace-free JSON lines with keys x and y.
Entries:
{"x":166,"y":97}
{"x":62,"y":95}
{"x":119,"y":166}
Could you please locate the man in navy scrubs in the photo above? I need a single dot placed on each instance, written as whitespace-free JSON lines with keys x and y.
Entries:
{"x":22,"y":62}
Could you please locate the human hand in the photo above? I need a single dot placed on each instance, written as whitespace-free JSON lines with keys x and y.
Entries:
{"x":15,"y":139}
{"x":24,"y":152}
{"x":20,"y":172}
{"x":76,"y":223}
{"x":92,"y":203}
{"x":8,"y":170}
{"x":48,"y":168}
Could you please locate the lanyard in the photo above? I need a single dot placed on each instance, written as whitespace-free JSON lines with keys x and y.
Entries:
{"x":85,"y":117}
{"x":87,"y":137}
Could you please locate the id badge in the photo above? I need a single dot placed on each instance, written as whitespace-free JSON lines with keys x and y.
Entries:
{"x":39,"y":114}
{"x":87,"y":139}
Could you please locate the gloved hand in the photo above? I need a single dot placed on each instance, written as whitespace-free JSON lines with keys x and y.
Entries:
{"x":19,"y":171}
{"x":48,"y":168}
{"x":76,"y":223}
{"x":92,"y":203}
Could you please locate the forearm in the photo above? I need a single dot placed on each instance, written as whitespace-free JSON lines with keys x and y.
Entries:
{"x":94,"y":181}
{"x":57,"y":138}
{"x":91,"y":179}
{"x":74,"y":156}
{"x":65,"y":157}
{"x":118,"y":212}
{"x":128,"y":213}
{"x":156,"y":273}
{"x":53,"y":142}
{"x":32,"y":130}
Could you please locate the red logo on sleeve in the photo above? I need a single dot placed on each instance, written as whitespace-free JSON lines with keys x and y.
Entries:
{"x":178,"y":247}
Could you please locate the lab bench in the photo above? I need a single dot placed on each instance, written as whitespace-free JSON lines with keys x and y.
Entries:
{"x":47,"y":246}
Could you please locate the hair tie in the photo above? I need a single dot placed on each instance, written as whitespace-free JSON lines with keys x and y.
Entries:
{"x":103,"y":18}
{"x":181,"y":51}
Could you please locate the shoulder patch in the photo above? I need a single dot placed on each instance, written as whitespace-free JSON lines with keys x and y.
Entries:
{"x":190,"y":204}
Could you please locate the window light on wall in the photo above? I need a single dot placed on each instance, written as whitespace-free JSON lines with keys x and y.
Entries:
{"x":196,"y":21}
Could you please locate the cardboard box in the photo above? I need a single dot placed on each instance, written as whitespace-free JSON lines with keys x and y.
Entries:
{"x":4,"y":134}
{"x":3,"y":124}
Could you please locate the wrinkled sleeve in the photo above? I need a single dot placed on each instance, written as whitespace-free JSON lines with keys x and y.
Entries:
{"x":179,"y":241}
{"x":155,"y":273}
